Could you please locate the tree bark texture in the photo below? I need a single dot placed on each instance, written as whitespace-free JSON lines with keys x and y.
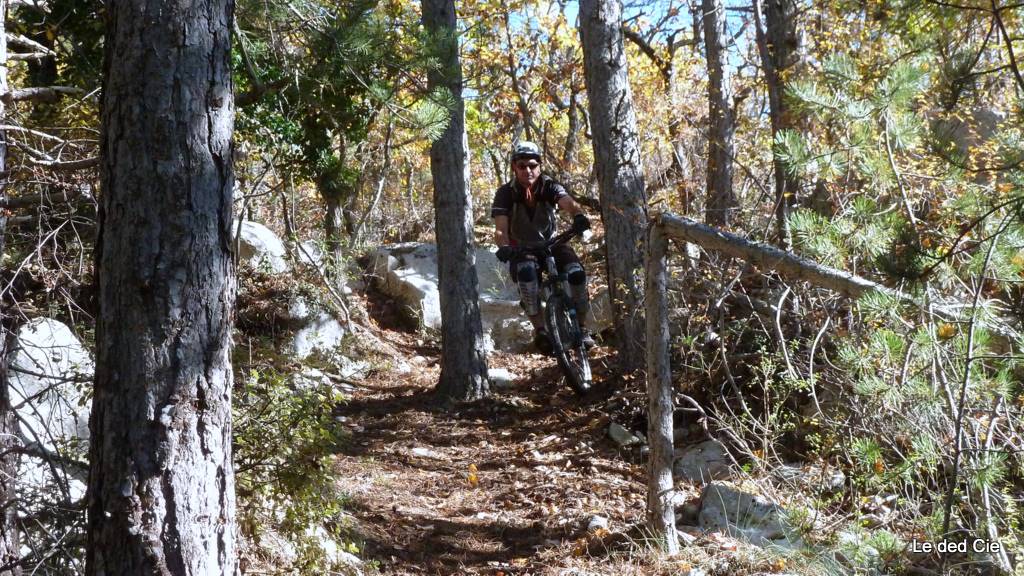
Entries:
{"x":619,"y":170}
{"x":721,"y":201}
{"x":161,"y":486}
{"x":463,"y":361}
{"x":779,"y":44}
{"x":9,"y":533}
{"x":333,"y":224}
{"x":661,"y":515}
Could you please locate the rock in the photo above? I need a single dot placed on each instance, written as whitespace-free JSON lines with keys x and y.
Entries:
{"x":309,"y":252}
{"x":724,"y":508}
{"x":500,"y":377}
{"x":260,"y":247}
{"x":686,"y":513}
{"x":685,"y":538}
{"x":694,"y":572}
{"x":298,"y":312}
{"x":426,"y":453}
{"x":310,"y":379}
{"x":50,"y":381}
{"x":322,"y":333}
{"x":702,"y":463}
{"x":512,"y":334}
{"x":342,"y":561}
{"x":408,"y":273}
{"x":381,"y":263}
{"x":421,"y":299}
{"x":624,"y":438}
{"x":351,"y":369}
{"x":50,"y":372}
{"x":595,"y":523}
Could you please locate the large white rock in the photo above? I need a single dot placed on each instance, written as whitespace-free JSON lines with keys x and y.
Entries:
{"x":408,"y":273}
{"x":320,"y":332}
{"x":259,"y":246}
{"x":50,"y":377}
{"x":50,"y":374}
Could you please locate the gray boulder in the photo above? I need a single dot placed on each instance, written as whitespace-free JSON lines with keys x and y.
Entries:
{"x":260,"y":247}
{"x":408,"y":273}
{"x":702,"y":463}
{"x":50,"y":379}
{"x":319,"y":332}
{"x":622,"y":436}
{"x":811,"y":478}
{"x":725,"y":508}
{"x":50,"y":373}
{"x":309,"y":252}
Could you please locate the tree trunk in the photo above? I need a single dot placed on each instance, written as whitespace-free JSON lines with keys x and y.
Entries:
{"x":9,"y":537}
{"x":661,"y":514}
{"x":161,"y":487}
{"x":333,"y":223}
{"x":463,"y":362}
{"x":619,"y":171}
{"x":721,"y":202}
{"x":779,"y":47}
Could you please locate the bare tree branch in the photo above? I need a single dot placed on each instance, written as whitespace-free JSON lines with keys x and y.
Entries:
{"x":1009,"y":44}
{"x":26,"y":43}
{"x":41,"y":94}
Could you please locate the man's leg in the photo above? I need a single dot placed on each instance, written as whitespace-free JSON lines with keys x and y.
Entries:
{"x":566,"y":259}
{"x":526,"y":276}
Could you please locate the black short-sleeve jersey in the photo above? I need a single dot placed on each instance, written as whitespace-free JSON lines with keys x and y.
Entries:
{"x":511,"y":192}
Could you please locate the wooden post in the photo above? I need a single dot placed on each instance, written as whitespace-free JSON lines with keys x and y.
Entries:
{"x":661,"y":515}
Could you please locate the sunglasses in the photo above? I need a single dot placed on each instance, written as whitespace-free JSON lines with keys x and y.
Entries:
{"x":527,"y":165}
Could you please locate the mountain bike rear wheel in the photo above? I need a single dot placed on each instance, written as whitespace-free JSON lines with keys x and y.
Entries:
{"x":567,"y":342}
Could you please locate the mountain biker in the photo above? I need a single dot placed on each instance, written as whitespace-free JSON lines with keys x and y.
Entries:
{"x":524,"y":215}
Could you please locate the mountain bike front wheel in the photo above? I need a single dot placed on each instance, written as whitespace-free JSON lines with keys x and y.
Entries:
{"x":567,"y":342}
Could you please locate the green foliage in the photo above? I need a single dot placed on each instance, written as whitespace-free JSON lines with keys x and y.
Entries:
{"x":284,"y":439}
{"x":432,"y":114}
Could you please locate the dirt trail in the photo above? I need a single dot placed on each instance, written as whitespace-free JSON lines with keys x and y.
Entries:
{"x":502,"y":486}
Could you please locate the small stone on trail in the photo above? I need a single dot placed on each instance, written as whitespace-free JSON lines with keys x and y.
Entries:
{"x":621,"y":436}
{"x":500,"y":377}
{"x":426,"y":453}
{"x":597,"y":522}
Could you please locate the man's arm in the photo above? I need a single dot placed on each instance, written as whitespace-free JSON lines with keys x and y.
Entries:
{"x":569,"y":205}
{"x":501,"y":230}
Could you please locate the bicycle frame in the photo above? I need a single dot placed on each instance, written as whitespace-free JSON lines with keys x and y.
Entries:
{"x":564,"y":331}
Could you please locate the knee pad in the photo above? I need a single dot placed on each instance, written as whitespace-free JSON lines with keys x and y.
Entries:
{"x":575,"y":274}
{"x":526,"y":271}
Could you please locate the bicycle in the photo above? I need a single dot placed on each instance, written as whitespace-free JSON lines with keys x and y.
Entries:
{"x":560,"y":315}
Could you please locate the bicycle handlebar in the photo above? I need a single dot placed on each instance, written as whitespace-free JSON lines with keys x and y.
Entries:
{"x":549,"y":244}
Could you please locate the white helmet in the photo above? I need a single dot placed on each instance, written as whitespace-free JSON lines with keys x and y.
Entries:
{"x":525,"y":149}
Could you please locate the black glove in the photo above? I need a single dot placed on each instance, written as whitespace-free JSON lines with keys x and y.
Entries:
{"x":580,"y":222}
{"x":505,"y":253}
